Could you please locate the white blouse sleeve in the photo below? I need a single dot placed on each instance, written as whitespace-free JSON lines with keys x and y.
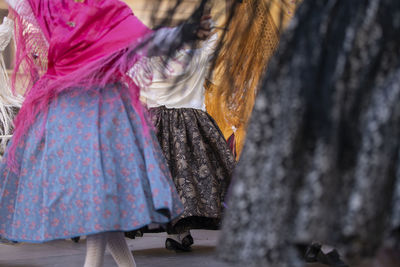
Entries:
{"x":210,"y":45}
{"x":6,"y":33}
{"x":162,"y":42}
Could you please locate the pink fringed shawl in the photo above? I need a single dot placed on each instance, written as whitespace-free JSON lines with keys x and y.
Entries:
{"x":68,"y":44}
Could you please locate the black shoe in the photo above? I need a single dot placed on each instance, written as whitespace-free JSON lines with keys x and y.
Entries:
{"x":171,"y":244}
{"x":134,"y":234}
{"x":315,"y":254}
{"x":130,"y":235}
{"x":76,"y":239}
{"x":187,"y":241}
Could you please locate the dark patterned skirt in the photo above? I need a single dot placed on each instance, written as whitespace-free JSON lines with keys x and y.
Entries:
{"x":200,"y":162}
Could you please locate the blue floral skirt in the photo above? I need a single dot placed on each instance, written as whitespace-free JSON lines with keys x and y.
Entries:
{"x":92,"y":170}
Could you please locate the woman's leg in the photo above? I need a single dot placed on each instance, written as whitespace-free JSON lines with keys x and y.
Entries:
{"x":119,"y":250}
{"x":95,"y":248}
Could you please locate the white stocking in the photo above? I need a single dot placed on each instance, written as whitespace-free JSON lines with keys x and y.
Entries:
{"x":95,"y":248}
{"x":119,"y":250}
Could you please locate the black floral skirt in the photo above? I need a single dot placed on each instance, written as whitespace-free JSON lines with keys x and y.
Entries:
{"x":200,"y":162}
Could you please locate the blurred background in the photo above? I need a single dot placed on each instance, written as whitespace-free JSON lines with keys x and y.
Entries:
{"x":252,"y":33}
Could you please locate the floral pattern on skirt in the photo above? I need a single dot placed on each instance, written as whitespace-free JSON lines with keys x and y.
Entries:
{"x":93,"y":170}
{"x":200,"y":162}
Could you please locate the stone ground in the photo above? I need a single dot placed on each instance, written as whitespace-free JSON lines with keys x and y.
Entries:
{"x":148,"y":251}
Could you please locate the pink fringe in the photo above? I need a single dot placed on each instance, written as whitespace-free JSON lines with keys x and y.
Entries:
{"x":31,"y":67}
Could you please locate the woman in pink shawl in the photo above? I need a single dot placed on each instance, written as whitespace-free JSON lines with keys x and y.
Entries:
{"x":82,"y":161}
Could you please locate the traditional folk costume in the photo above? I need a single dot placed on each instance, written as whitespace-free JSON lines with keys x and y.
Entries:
{"x":197,"y":154}
{"x":82,"y":160}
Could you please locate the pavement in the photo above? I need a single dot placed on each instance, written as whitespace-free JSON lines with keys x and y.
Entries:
{"x":148,"y":251}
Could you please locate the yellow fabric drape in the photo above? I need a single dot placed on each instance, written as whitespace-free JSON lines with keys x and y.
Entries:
{"x":251,"y":40}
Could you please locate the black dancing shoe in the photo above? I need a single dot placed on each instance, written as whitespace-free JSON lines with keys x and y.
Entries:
{"x":314,"y":253}
{"x":172,"y":244}
{"x":187,"y":241}
{"x":134,"y":234}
